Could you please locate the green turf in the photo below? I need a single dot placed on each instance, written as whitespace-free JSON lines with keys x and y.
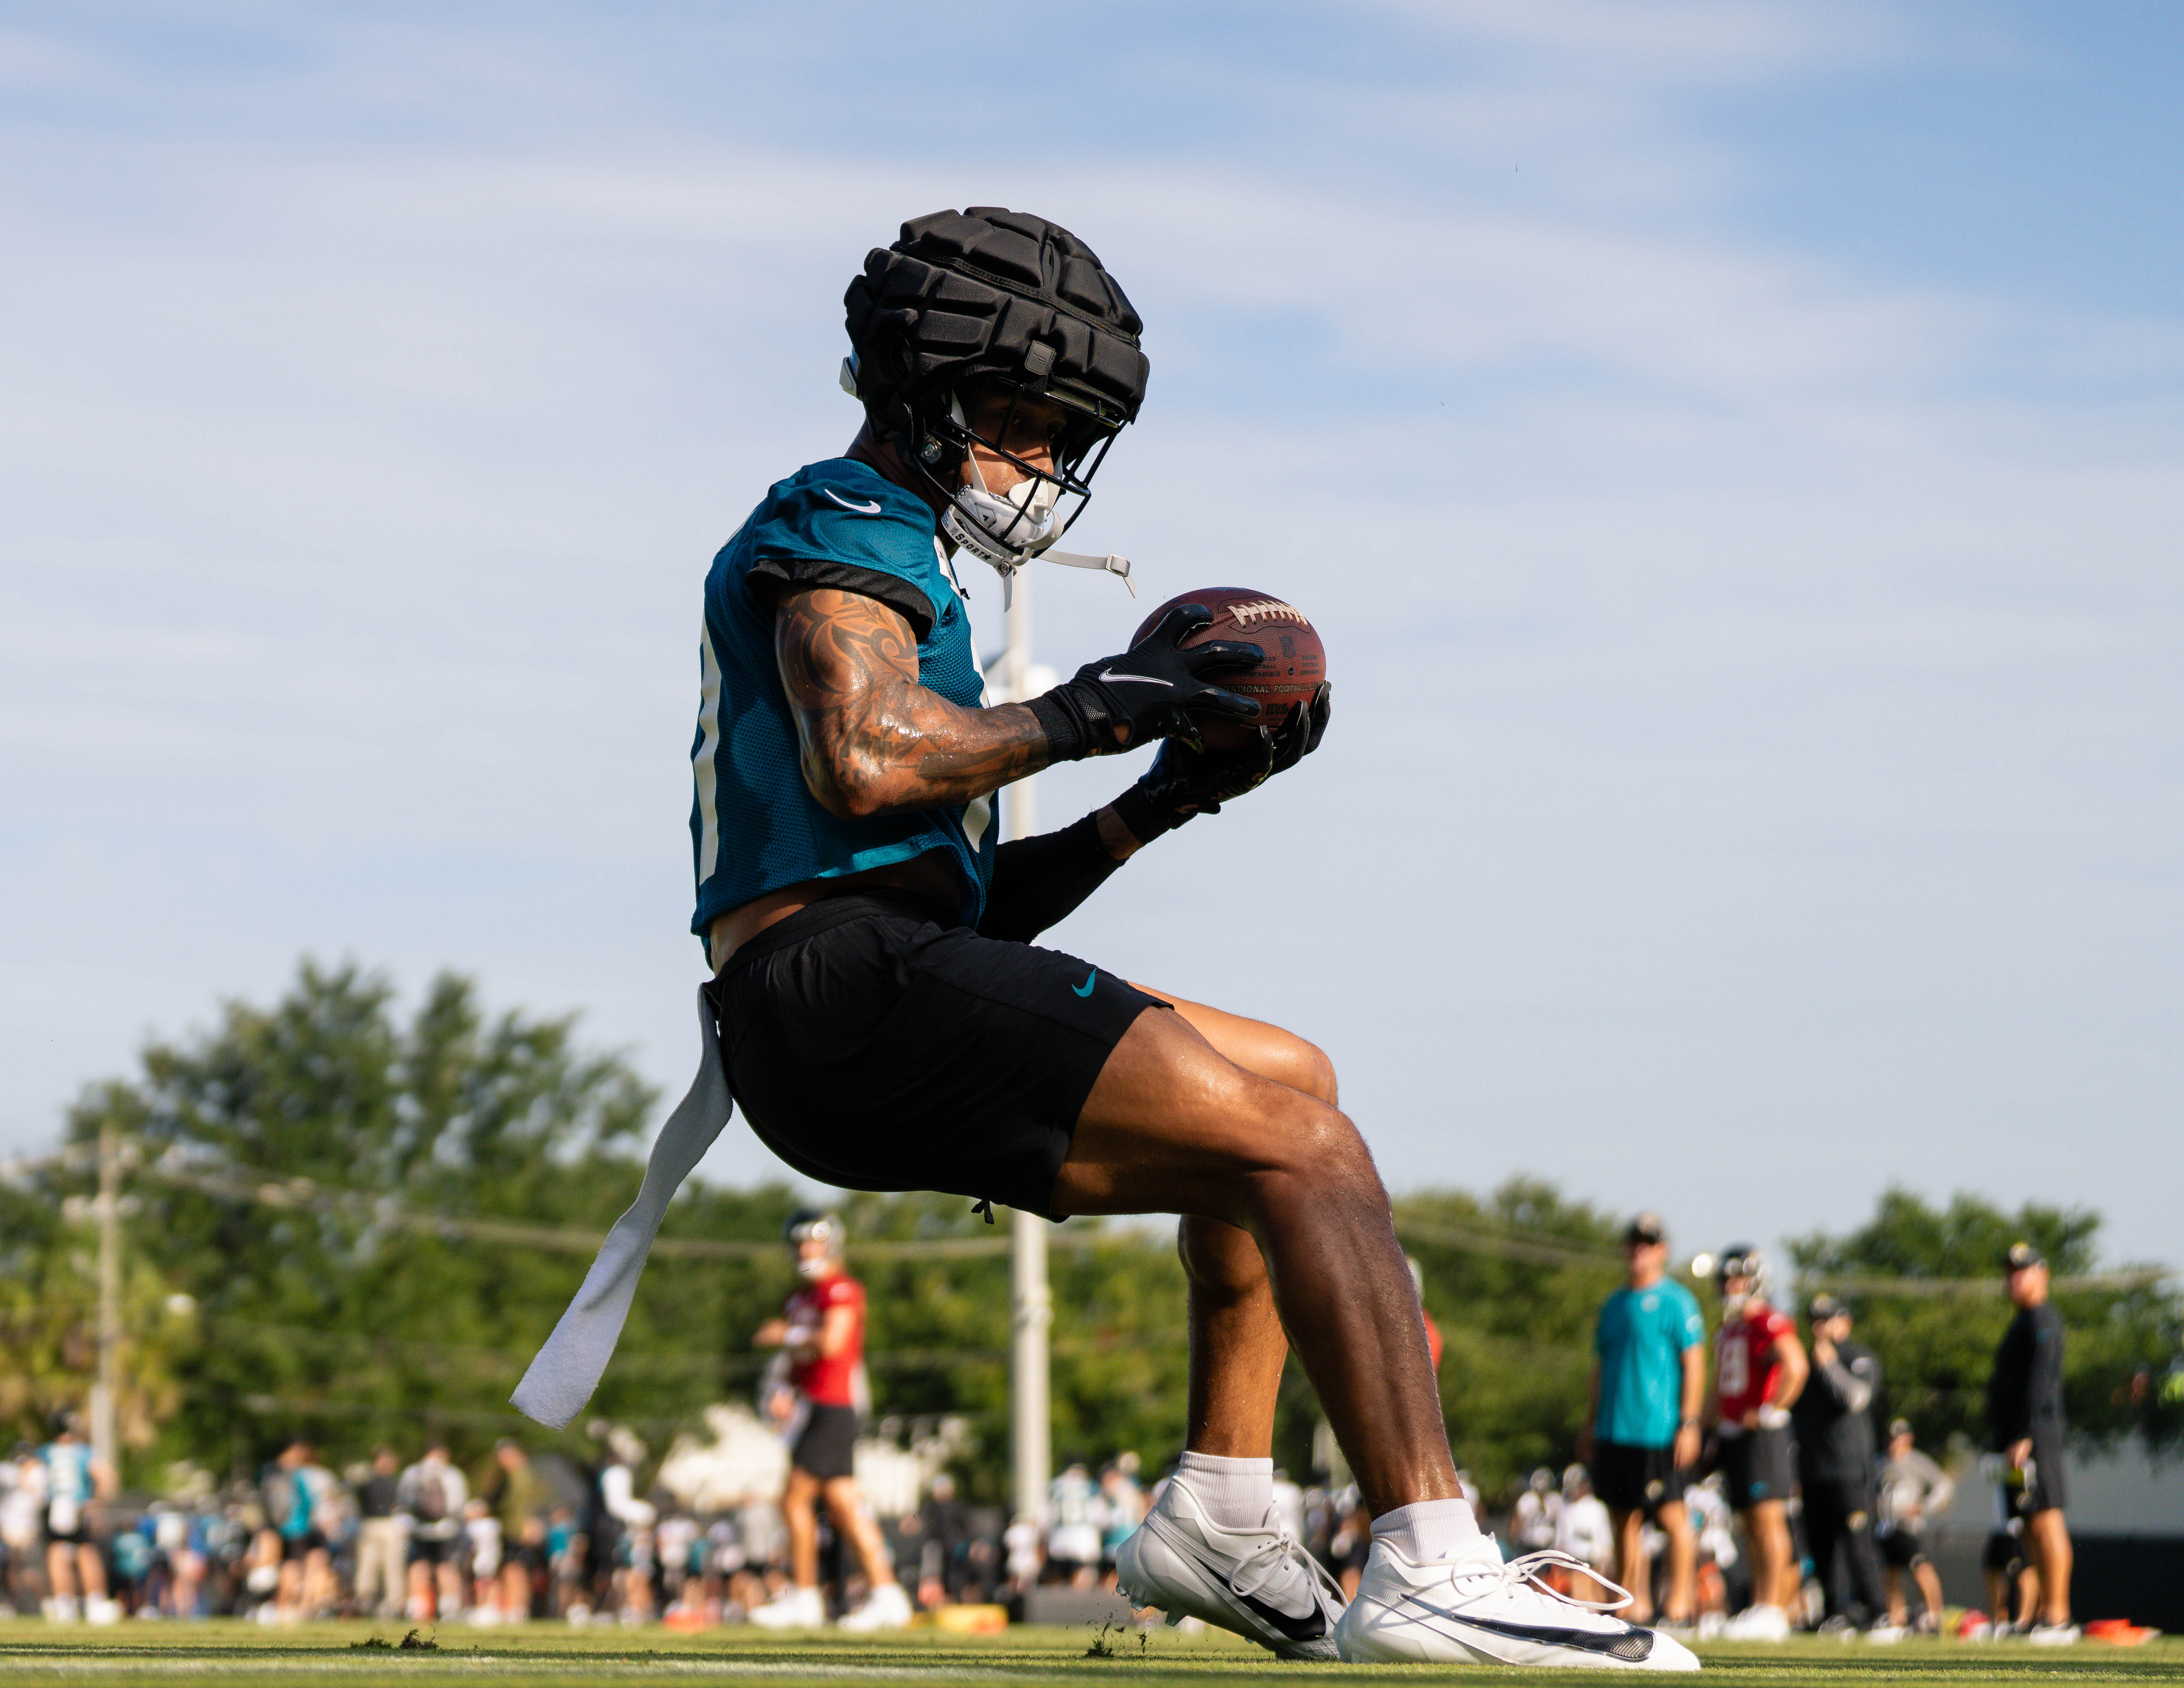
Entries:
{"x":215,"y":1654}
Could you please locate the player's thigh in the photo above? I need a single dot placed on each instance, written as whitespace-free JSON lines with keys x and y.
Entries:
{"x":1256,"y":1046}
{"x":1172,"y":1126}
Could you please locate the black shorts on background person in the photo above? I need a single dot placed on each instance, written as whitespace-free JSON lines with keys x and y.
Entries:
{"x":1760,"y":1465}
{"x":1630,"y":1478}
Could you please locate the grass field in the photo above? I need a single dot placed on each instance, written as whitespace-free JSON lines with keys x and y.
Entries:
{"x":215,"y":1654}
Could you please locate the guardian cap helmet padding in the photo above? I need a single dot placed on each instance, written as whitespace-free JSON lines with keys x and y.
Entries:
{"x":985,"y":298}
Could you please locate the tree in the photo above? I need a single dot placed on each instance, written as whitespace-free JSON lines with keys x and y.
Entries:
{"x":1936,"y":1350}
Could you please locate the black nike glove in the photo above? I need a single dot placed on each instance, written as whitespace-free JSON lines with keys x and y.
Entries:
{"x":1185,"y":783}
{"x":1146,"y":692}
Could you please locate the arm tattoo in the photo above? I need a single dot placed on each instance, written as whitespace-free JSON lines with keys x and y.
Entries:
{"x":873,"y":740}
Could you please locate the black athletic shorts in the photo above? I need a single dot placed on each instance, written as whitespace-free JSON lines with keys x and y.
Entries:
{"x":1901,"y":1548}
{"x":310,"y":1541}
{"x":1759,"y":1465}
{"x":2004,"y":1553}
{"x":2047,"y":1484}
{"x":427,"y":1550}
{"x":1630,"y":1477}
{"x":825,"y":1447}
{"x":872,"y":1048}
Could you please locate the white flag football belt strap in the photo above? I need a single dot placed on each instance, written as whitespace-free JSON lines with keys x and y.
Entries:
{"x":569,"y":1366}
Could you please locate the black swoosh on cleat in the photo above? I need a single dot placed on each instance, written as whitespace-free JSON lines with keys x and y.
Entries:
{"x":1633,"y":1644}
{"x":1309,"y":1628}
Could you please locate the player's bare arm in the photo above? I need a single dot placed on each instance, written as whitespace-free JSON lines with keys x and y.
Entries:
{"x":1796,"y":1368}
{"x":873,"y":740}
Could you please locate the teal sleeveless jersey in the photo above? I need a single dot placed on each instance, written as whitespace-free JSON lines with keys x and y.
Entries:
{"x":753,"y":825}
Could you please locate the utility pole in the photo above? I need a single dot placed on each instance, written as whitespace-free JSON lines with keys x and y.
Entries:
{"x":106,"y":1391}
{"x":1031,"y":1420}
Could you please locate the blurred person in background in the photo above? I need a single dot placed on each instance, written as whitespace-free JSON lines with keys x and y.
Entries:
{"x":1585,"y":1532}
{"x":520,"y":1500}
{"x":822,"y":1331}
{"x":625,"y":1555}
{"x":1912,"y":1490}
{"x":1434,"y":1341}
{"x":22,"y":1526}
{"x":1640,"y":1438}
{"x":2025,"y":1412}
{"x":382,"y":1545}
{"x":1719,"y":1563}
{"x":1073,"y":1535}
{"x":1122,"y":1509}
{"x":433,"y":1493}
{"x":480,"y":1560}
{"x":75,"y":1481}
{"x":1538,"y":1510}
{"x":1759,"y":1371}
{"x":942,"y":1530}
{"x":298,"y":1495}
{"x":1836,"y":1464}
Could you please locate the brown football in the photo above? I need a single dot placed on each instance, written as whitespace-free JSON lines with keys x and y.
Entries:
{"x":1295,"y":662}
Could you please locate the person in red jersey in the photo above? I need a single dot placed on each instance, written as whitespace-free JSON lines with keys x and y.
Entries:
{"x":1759,"y":1369}
{"x":821,"y":1336}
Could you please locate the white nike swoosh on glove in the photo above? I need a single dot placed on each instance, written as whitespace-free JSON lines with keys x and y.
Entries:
{"x":1135,"y":680}
{"x":871,"y":509}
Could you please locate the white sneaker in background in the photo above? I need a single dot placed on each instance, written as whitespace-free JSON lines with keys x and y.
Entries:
{"x":97,"y":1609}
{"x":1258,"y":1582}
{"x":886,"y":1608}
{"x":793,"y":1608}
{"x":2052,"y":1634}
{"x":1882,"y":1633}
{"x":1757,"y":1623}
{"x":1474,"y":1609}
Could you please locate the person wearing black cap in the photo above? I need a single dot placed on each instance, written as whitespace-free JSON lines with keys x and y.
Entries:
{"x":1835,"y":1464}
{"x":1641,"y":1436}
{"x":2025,"y":1412}
{"x":1912,"y":1490}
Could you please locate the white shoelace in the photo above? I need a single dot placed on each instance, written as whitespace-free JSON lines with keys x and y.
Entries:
{"x":1268,"y":1560}
{"x":1532,"y":1567}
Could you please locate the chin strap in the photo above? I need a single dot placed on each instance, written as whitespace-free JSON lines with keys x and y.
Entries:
{"x":1068,"y":560}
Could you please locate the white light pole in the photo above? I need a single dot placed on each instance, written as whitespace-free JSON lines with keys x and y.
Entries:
{"x":105,"y":1391}
{"x":1032,"y":1303}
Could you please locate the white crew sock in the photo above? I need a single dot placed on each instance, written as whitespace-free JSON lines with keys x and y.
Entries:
{"x":1427,"y":1529}
{"x":1237,"y":1494}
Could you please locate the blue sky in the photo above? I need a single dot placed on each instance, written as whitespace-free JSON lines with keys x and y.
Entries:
{"x":1732,"y":450}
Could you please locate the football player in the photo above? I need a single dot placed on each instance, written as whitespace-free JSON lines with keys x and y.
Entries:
{"x":822,"y":1334}
{"x":888,"y":1023}
{"x":1759,"y":1369}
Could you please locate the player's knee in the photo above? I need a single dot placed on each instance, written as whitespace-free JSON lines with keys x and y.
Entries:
{"x":1323,"y":1146}
{"x":1306,"y":1068}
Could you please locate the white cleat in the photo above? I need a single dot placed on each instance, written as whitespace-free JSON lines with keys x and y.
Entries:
{"x":1473,"y":1609}
{"x":793,"y":1608}
{"x":2052,"y":1635}
{"x":887,"y":1607}
{"x":1258,"y":1582}
{"x":1757,"y":1623}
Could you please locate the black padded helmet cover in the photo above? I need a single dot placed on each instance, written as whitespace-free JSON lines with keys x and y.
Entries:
{"x":989,"y":292}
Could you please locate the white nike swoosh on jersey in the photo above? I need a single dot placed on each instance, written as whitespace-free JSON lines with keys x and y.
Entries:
{"x":871,"y":509}
{"x":1136,"y":679}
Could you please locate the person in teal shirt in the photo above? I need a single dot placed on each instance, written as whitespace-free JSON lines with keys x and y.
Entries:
{"x":1641,"y":1433}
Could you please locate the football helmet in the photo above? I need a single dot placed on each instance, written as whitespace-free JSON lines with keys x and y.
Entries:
{"x":813,"y":1224}
{"x":1741,"y":1260}
{"x":970,"y":303}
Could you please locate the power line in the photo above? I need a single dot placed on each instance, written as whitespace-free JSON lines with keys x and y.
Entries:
{"x":2136,"y":1278}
